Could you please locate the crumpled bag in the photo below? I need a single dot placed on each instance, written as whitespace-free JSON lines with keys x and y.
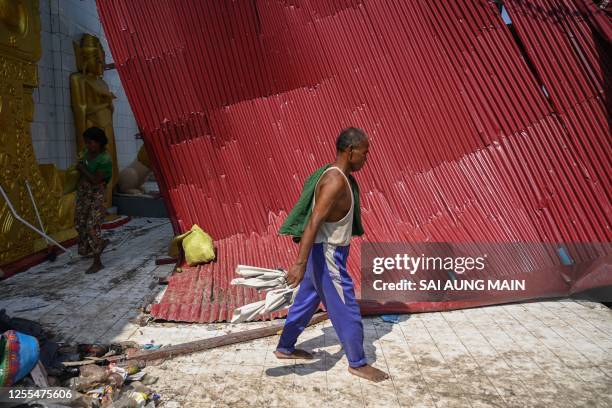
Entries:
{"x":278,"y":295}
{"x":197,"y":246}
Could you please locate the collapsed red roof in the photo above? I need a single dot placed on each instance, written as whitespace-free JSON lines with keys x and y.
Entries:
{"x":479,"y":132}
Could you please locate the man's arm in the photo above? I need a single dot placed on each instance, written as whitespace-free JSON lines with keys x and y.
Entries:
{"x":331,"y":188}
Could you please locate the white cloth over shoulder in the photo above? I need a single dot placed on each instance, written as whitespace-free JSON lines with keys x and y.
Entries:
{"x":272,"y":281}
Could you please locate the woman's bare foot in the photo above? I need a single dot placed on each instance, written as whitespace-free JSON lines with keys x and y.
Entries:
{"x":369,"y":373}
{"x":297,"y":354}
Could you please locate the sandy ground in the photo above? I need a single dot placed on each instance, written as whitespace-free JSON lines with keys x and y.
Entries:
{"x":554,"y":353}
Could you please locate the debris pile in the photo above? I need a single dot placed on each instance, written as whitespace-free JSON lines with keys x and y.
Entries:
{"x":98,"y":375}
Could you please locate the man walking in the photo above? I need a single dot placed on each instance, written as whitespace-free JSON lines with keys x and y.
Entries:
{"x":324,"y":219}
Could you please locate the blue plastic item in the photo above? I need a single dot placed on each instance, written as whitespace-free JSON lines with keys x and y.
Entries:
{"x":19,"y":354}
{"x":390,"y":318}
{"x":565,"y":257}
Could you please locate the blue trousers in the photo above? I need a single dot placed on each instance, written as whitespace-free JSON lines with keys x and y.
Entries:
{"x":326,"y":280}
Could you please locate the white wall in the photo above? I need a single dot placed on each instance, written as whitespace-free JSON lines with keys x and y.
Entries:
{"x":53,"y":134}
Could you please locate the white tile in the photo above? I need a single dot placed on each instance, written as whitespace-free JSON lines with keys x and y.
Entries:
{"x":46,"y":58}
{"x":45,"y":95}
{"x":45,"y":15}
{"x":43,"y":79}
{"x":68,"y":115}
{"x":59,"y":130}
{"x":56,"y":42}
{"x":53,"y":150}
{"x":68,"y":61}
{"x":69,"y":133}
{"x":36,"y":131}
{"x":55,"y":23}
{"x":59,"y":113}
{"x":65,"y":96}
{"x":57,"y":60}
{"x":40,"y":110}
{"x":65,"y":77}
{"x":40,"y":149}
{"x":64,"y":23}
{"x":46,"y":42}
{"x":66,"y":45}
{"x":55,"y":6}
{"x":57,"y":77}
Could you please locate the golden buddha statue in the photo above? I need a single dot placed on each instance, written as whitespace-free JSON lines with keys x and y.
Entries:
{"x":133,"y":177}
{"x":20,"y":49}
{"x":92,"y":100}
{"x":14,"y":15}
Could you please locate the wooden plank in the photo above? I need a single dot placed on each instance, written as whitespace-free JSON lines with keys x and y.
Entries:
{"x":219,"y":341}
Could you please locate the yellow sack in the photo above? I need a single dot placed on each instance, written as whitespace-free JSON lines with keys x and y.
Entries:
{"x":197,"y":246}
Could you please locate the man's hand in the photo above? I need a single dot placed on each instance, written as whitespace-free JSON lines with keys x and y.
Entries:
{"x":295,"y":274}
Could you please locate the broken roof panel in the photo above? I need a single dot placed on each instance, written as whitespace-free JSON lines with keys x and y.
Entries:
{"x":475,"y":135}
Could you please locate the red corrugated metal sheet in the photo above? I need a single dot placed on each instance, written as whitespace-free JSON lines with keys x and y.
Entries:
{"x":239,"y":101}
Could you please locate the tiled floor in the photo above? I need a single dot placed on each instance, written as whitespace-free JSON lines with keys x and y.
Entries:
{"x":543,"y":354}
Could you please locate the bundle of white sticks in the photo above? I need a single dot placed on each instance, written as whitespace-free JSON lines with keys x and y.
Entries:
{"x":271,"y":281}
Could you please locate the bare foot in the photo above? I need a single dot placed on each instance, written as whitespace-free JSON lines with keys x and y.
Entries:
{"x":297,"y":354}
{"x":94,"y":268}
{"x":369,"y":373}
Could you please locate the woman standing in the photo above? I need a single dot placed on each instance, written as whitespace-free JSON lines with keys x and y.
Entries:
{"x":96,"y":168}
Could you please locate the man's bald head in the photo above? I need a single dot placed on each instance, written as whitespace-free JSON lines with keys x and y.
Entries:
{"x":352,"y":146}
{"x":350,"y":137}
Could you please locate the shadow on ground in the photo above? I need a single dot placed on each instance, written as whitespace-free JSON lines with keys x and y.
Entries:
{"x":323,"y":359}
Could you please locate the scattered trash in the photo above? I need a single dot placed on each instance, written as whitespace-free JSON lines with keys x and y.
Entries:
{"x":100,"y":375}
{"x":39,"y":375}
{"x":390,"y":318}
{"x":149,"y":380}
{"x":136,"y":377}
{"x":92,"y":350}
{"x":134,"y":368}
{"x":151,"y":346}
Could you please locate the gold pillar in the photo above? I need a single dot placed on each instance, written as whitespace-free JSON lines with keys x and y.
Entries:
{"x":19,"y":52}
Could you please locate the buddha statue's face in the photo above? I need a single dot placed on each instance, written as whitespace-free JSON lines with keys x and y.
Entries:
{"x":93,"y":60}
{"x":14,"y":15}
{"x":90,"y":55}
